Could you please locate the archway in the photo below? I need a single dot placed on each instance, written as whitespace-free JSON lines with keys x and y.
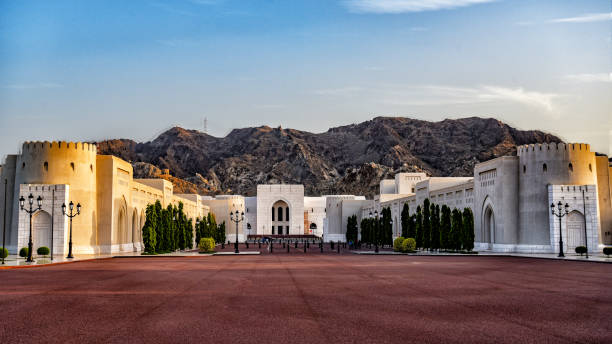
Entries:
{"x":575,"y":230}
{"x":280,"y":218}
{"x":41,"y":230}
{"x":489,"y":225}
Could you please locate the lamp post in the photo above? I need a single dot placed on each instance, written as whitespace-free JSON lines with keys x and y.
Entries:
{"x":30,"y":212}
{"x":375,"y":230}
{"x":586,"y":239}
{"x":70,"y":216}
{"x":4,"y":220}
{"x":239,"y":217}
{"x":560,"y":213}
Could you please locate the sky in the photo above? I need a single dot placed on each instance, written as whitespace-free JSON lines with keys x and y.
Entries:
{"x":94,"y":70}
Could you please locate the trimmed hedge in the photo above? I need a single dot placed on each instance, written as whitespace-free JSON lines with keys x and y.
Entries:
{"x":607,"y":251}
{"x":397,"y":244}
{"x":3,"y":253}
{"x":23,"y":253}
{"x":206,"y":245}
{"x":580,"y":250}
{"x":43,"y":250}
{"x":409,"y":245}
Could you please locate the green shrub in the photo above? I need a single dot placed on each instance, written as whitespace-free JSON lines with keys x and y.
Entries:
{"x":397,"y":244}
{"x":207,"y":245}
{"x":4,"y":252}
{"x":23,"y":252}
{"x":607,"y":251}
{"x":43,"y":250}
{"x":408,"y":245}
{"x":580,"y":250}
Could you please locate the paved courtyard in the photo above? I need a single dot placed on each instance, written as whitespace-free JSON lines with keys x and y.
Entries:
{"x":309,"y":299}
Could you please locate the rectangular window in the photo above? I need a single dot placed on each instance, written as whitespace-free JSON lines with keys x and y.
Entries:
{"x":272,"y":230}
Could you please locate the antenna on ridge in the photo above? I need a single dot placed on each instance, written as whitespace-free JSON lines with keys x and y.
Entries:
{"x":205,"y":125}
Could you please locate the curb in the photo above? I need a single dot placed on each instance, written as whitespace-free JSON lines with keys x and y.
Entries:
{"x":12,"y":267}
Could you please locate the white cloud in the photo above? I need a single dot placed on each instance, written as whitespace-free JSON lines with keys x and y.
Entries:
{"x":33,"y":86}
{"x":435,"y":95}
{"x":404,"y":6}
{"x":519,"y":95}
{"x":587,"y":18}
{"x":590,"y":77}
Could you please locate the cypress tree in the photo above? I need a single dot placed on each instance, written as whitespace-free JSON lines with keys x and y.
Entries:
{"x":405,"y":220}
{"x":221,"y":232}
{"x":456,"y":229}
{"x":412,"y":227}
{"x":159,"y":227}
{"x":148,"y":231}
{"x":468,"y":229}
{"x":445,"y":225}
{"x":386,"y":227}
{"x":351,"y":229}
{"x":419,"y":227}
{"x":189,"y":234}
{"x":364,"y":230}
{"x":435,"y":227}
{"x":426,"y":224}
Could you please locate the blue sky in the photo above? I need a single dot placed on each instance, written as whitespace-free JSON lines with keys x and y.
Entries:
{"x":91,"y":70}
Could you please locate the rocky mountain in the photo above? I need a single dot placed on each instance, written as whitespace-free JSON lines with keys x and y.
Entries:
{"x":348,"y":159}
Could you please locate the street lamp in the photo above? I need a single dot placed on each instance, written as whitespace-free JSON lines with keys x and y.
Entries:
{"x":237,"y":219}
{"x":70,"y":216}
{"x":560,"y":213}
{"x":30,"y":212}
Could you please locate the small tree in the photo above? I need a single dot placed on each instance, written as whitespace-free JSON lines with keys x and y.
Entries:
{"x":397,"y":244}
{"x":456,"y":229}
{"x":206,"y":245}
{"x":408,"y":245}
{"x":149,"y":231}
{"x":468,"y":229}
{"x":435,"y":226}
{"x":387,"y":227}
{"x":412,"y":226}
{"x":43,"y":251}
{"x":221,"y":236}
{"x":426,"y":224}
{"x":3,"y":252}
{"x":419,"y":227}
{"x":445,"y":227}
{"x":351,"y":229}
{"x":405,"y":220}
{"x":365,"y":228}
{"x":23,"y":252}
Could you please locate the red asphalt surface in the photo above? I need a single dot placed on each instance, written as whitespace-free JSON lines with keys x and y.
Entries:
{"x":309,"y":298}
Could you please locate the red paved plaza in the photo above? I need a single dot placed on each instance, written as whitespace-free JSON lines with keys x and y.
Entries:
{"x":309,"y":298}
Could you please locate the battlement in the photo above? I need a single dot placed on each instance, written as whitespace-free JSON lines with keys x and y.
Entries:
{"x":39,"y":146}
{"x":553,"y":149}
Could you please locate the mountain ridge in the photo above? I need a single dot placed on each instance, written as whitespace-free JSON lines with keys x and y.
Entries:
{"x":345,"y":159}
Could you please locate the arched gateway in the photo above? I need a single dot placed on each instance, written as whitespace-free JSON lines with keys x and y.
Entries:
{"x":280,"y":218}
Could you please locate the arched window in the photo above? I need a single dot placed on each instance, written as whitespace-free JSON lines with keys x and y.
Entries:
{"x":72,"y":165}
{"x":287,"y":214}
{"x":248,"y":226}
{"x":280,"y":213}
{"x":524,"y":169}
{"x":313,"y":226}
{"x":544,"y":168}
{"x":46,"y":166}
{"x":273,"y":219}
{"x":590,"y":168}
{"x":571,"y":167}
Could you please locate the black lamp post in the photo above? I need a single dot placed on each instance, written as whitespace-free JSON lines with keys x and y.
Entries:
{"x":375,"y":230}
{"x":239,"y":217}
{"x":560,"y":213}
{"x":4,"y":220}
{"x":70,"y":216}
{"x":30,"y":212}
